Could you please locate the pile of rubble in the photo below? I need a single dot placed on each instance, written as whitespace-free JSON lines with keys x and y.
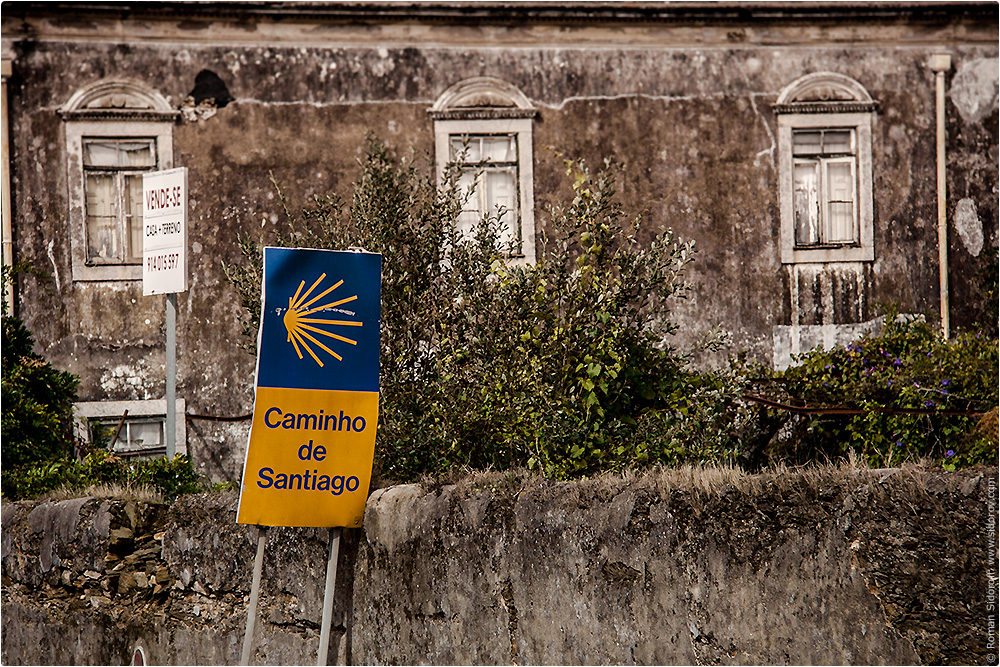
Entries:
{"x":120,"y":568}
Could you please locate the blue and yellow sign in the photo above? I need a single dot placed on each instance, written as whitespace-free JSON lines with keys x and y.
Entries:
{"x":309,"y":459}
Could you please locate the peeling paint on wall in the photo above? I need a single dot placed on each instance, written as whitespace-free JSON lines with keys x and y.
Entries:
{"x":125,"y":380}
{"x":969,"y":226}
{"x":974,"y":90}
{"x":829,"y":307}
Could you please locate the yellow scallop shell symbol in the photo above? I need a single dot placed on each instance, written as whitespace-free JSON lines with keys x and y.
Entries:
{"x":301,"y":326}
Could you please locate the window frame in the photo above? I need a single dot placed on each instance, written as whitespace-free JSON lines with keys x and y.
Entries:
{"x":121,"y":212}
{"x":86,"y":412}
{"x":860,"y":250}
{"x":77,"y":133}
{"x":826,"y":101}
{"x":820,"y":162}
{"x":110,"y":109}
{"x":521,"y":129}
{"x":484,"y":106}
{"x":480,"y":168}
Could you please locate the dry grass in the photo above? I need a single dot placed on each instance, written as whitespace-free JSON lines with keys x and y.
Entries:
{"x":704,"y":481}
{"x":139,"y":493}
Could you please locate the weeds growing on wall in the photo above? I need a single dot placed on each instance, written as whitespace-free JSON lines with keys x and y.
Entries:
{"x":562,"y":366}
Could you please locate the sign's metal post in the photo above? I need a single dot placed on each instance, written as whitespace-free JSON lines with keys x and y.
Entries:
{"x":328,"y":596}
{"x":171,"y":324}
{"x":164,"y":267}
{"x":258,"y":566}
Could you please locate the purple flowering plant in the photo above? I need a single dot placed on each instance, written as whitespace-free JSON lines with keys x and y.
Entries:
{"x":918,"y":396}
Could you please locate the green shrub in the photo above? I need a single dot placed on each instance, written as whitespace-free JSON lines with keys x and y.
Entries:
{"x":908,"y":382}
{"x":170,"y":478}
{"x":37,"y":454}
{"x":37,"y":421}
{"x":562,"y":366}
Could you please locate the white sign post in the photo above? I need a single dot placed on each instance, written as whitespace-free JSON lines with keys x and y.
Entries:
{"x":164,"y":264}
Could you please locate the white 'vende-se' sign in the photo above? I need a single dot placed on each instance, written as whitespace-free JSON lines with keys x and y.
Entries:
{"x":164,"y":231}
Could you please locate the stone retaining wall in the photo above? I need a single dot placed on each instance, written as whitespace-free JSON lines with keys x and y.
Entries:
{"x":712,"y":567}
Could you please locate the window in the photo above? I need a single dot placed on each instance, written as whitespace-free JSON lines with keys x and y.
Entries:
{"x":825,"y":170}
{"x":486,"y":124}
{"x":135,"y":438}
{"x":143,"y":431}
{"x":115,"y":130}
{"x":490,"y":174}
{"x":113,"y":187}
{"x":825,"y":180}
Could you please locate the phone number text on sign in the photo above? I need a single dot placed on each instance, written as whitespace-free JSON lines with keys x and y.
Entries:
{"x":165,"y":262}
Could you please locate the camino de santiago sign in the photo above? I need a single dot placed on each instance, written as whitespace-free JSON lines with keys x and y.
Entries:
{"x":312,"y":439}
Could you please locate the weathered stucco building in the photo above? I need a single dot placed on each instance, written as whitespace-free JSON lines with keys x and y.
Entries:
{"x":798,"y":144}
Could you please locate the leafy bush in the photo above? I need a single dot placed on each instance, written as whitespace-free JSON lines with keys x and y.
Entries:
{"x":564,"y":366}
{"x":37,"y":431}
{"x":561,"y":366}
{"x":37,"y":401}
{"x":920,"y":396}
{"x":170,"y":478}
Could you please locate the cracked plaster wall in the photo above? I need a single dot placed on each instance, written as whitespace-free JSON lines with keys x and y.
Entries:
{"x":691,"y":123}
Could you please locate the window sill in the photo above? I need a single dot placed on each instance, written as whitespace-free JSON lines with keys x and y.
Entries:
{"x":106,"y":272}
{"x":828,"y":254}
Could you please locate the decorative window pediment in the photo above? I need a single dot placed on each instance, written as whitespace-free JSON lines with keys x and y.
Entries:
{"x":824,"y":92}
{"x":482,"y":98}
{"x":117,"y":99}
